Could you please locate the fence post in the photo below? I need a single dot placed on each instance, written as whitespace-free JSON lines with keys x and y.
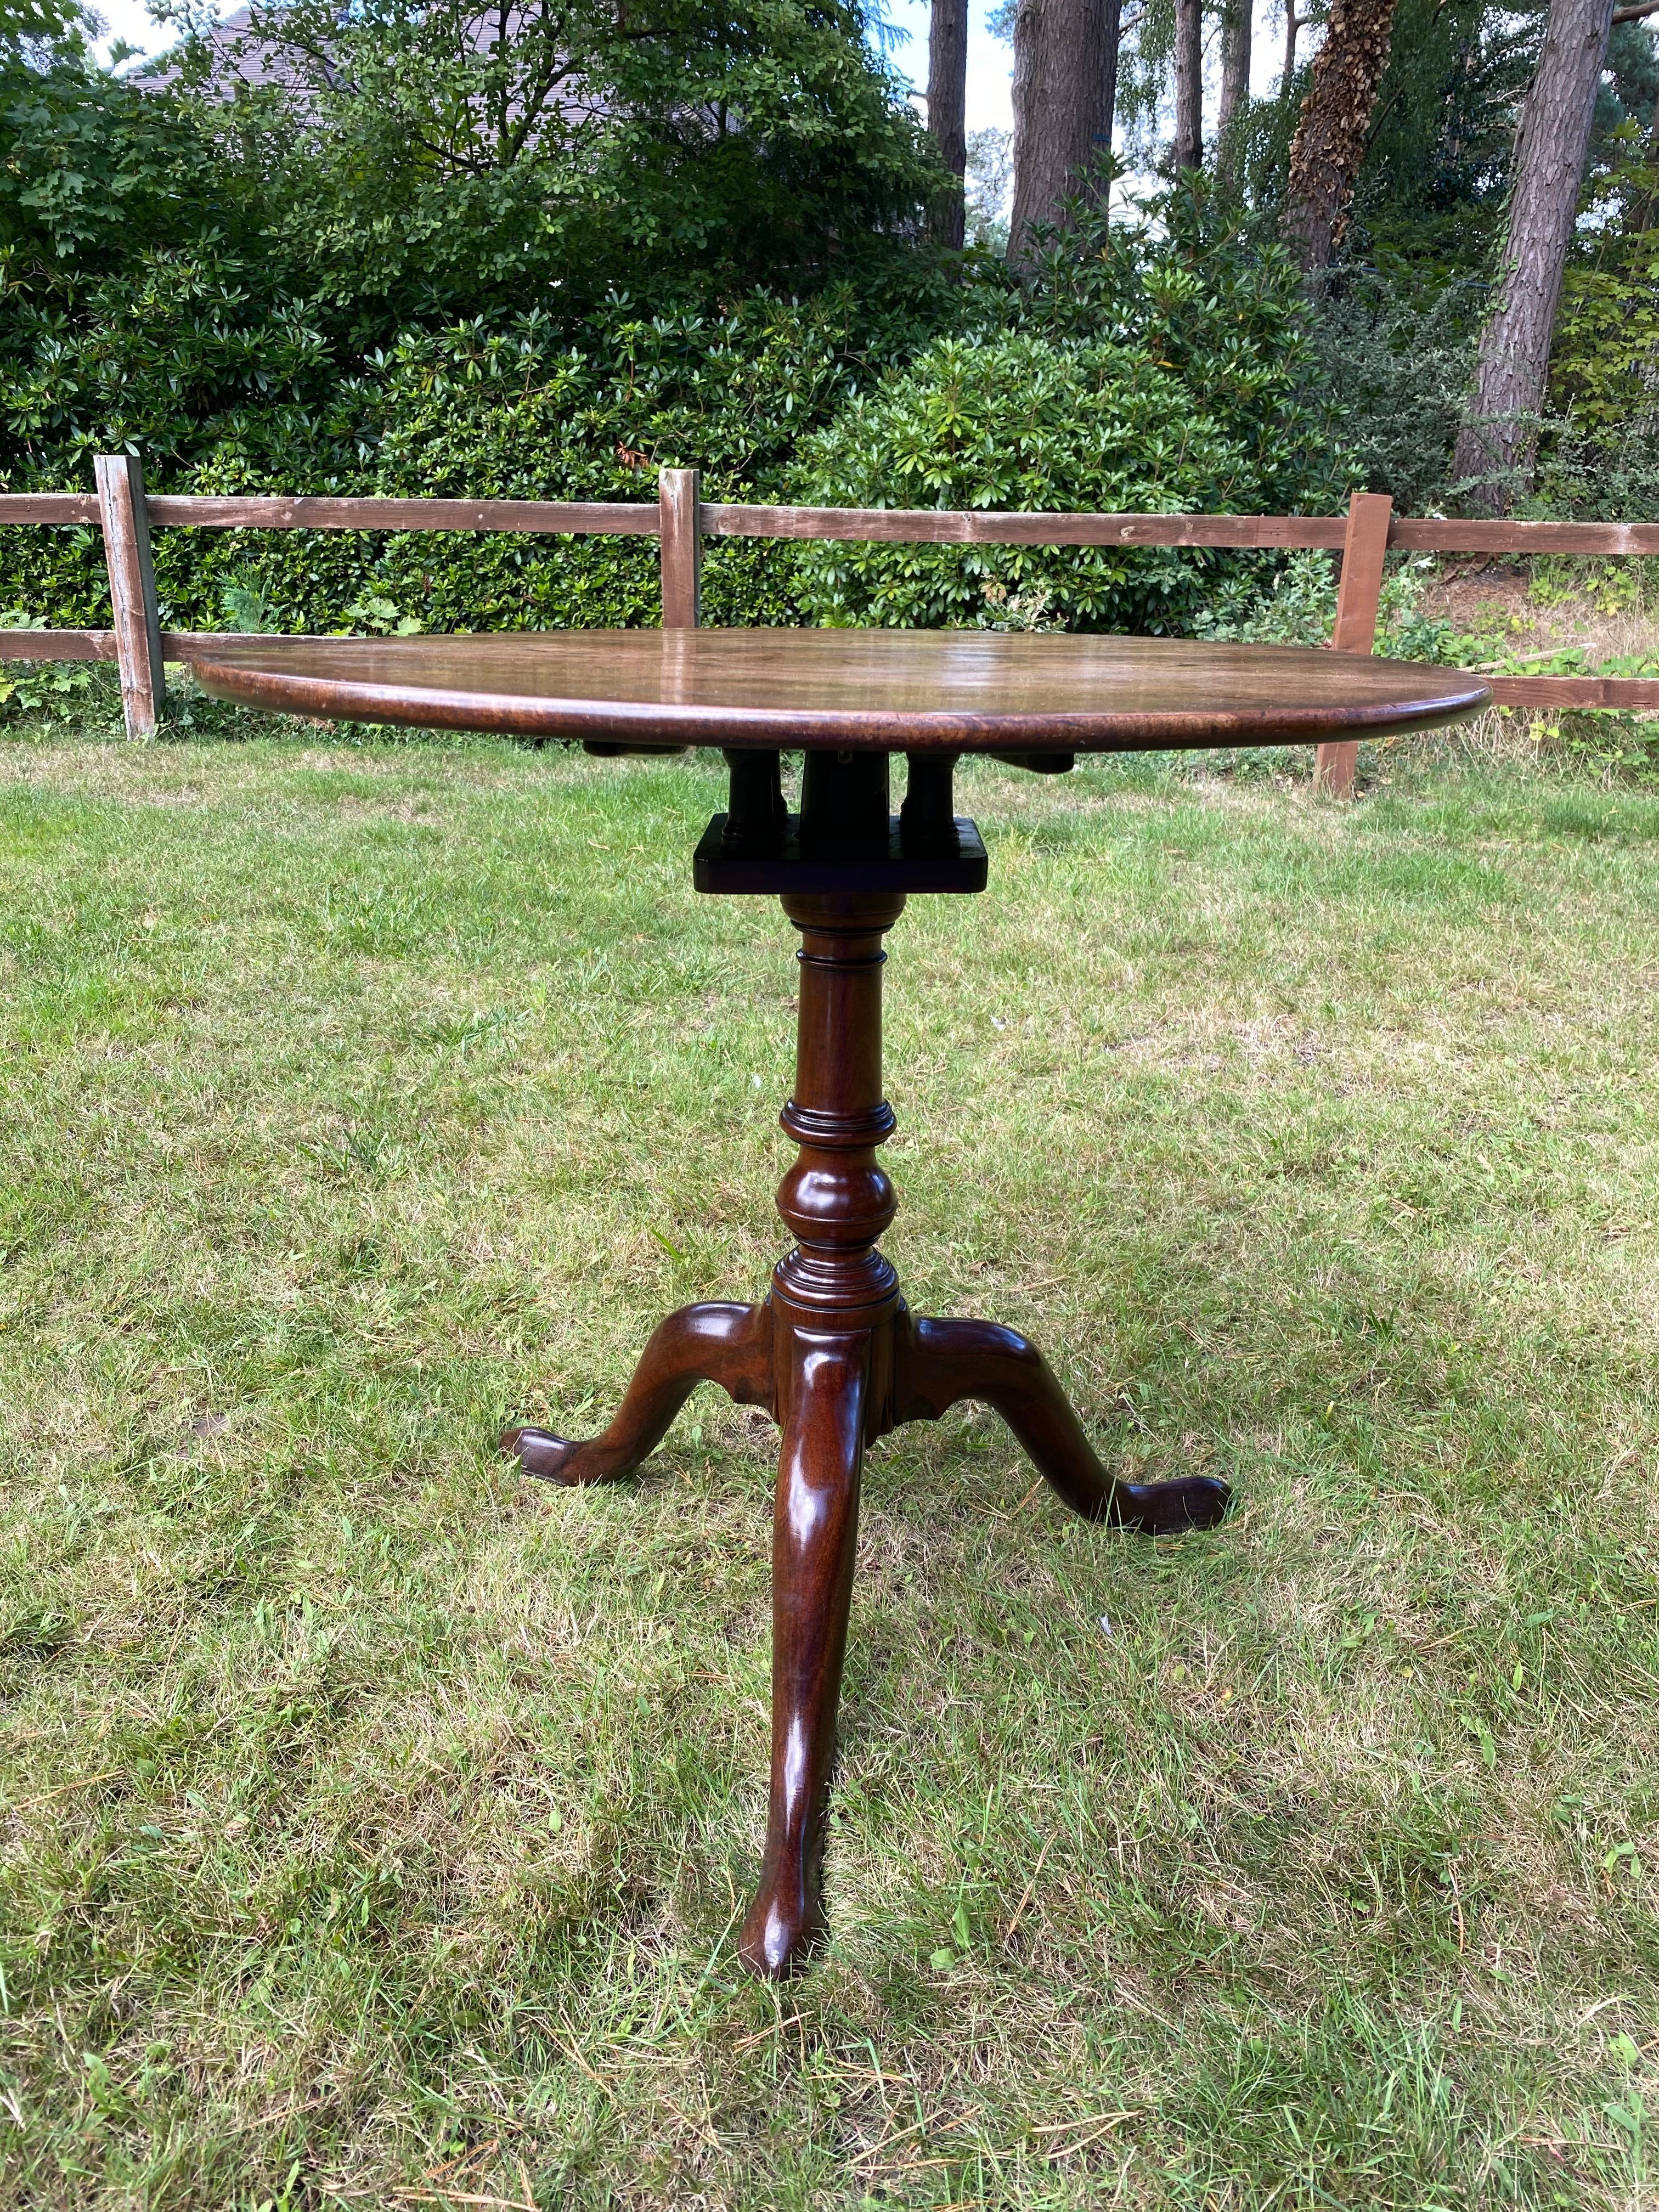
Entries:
{"x":1370,"y":513}
{"x":126,"y":521}
{"x":680,"y":548}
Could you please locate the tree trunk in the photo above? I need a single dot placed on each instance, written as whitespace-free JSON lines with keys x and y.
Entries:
{"x":1188,"y":148}
{"x":1331,"y":130}
{"x":1236,"y":29}
{"x":1065,"y":91}
{"x":947,"y":110}
{"x":1293,"y":23}
{"x":1235,"y":74}
{"x":1495,"y":447}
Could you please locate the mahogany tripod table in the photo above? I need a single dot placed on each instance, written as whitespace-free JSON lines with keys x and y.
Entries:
{"x":832,"y":1352}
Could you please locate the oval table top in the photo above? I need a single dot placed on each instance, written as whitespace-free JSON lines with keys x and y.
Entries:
{"x":880,"y":689}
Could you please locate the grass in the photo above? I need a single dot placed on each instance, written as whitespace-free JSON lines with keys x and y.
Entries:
{"x":375,"y":1824}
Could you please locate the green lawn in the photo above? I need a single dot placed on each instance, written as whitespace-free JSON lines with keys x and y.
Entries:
{"x":375,"y":1823}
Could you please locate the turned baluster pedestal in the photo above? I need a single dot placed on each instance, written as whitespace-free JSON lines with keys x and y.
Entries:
{"x":832,"y":1352}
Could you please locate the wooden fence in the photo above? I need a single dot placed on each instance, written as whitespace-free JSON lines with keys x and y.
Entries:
{"x":680,"y":520}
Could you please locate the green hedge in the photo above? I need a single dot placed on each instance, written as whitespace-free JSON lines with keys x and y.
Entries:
{"x":1160,"y":371}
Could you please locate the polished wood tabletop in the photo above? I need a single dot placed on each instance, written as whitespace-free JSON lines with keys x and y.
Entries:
{"x":878,"y":690}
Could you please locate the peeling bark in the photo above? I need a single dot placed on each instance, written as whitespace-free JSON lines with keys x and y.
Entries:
{"x":1330,"y":132}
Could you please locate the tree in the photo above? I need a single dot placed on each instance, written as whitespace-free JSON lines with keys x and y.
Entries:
{"x":1332,"y":131}
{"x":1188,"y":151}
{"x":1495,"y":449}
{"x":435,"y":156}
{"x":1235,"y":27}
{"x":1441,"y":135}
{"x":987,"y":183}
{"x":93,"y":173}
{"x":1066,"y":55}
{"x":1295,"y":24}
{"x":947,"y":110}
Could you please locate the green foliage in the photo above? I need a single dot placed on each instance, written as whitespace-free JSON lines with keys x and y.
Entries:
{"x":1432,"y":190}
{"x":1300,"y":609}
{"x":44,"y":691}
{"x":55,"y":690}
{"x":1144,"y":369}
{"x":1605,"y":363}
{"x":94,"y":171}
{"x":1018,"y":421}
{"x":520,"y":408}
{"x":989,"y":182}
{"x":390,"y":273}
{"x":176,"y":354}
{"x":1601,"y":453}
{"x":1395,"y":357}
{"x":186,"y":270}
{"x":422,"y":160}
{"x":1153,"y":371}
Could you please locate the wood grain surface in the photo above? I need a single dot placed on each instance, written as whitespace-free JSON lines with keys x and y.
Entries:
{"x":960,"y":690}
{"x":939,"y":525}
{"x":902,"y":525}
{"x":275,"y":511}
{"x":61,"y":507}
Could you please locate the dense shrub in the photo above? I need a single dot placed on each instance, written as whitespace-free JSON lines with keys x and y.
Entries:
{"x":526,"y":408}
{"x":1144,"y":369}
{"x":1396,"y":361}
{"x":1149,"y":371}
{"x":1021,"y":422}
{"x":1602,"y":450}
{"x":297,"y":288}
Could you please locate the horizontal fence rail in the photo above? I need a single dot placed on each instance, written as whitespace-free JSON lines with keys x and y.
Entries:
{"x":680,"y":520}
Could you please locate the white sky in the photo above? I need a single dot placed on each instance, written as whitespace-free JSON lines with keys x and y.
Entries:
{"x":990,"y":63}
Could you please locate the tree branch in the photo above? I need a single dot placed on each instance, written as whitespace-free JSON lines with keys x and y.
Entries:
{"x":1635,"y":15}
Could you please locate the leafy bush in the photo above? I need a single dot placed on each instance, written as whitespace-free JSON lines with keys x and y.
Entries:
{"x":430,"y":163}
{"x":1147,"y":372}
{"x":1160,"y":369}
{"x":1300,"y":609}
{"x":1601,"y":451}
{"x":1396,"y":362}
{"x":1020,"y":422}
{"x":490,"y":408}
{"x":48,"y":691}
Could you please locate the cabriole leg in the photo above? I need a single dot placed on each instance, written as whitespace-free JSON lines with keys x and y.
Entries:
{"x":730,"y":1345}
{"x":814,"y":1536}
{"x":938,"y":1362}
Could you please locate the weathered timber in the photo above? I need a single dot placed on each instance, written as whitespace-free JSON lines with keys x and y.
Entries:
{"x":1638,"y":693}
{"x":56,"y":645}
{"x":1359,"y":594}
{"x":928,"y":525}
{"x":124,"y":514}
{"x":49,"y":506}
{"x":541,"y":517}
{"x":680,"y":545}
{"x":1472,"y":535}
